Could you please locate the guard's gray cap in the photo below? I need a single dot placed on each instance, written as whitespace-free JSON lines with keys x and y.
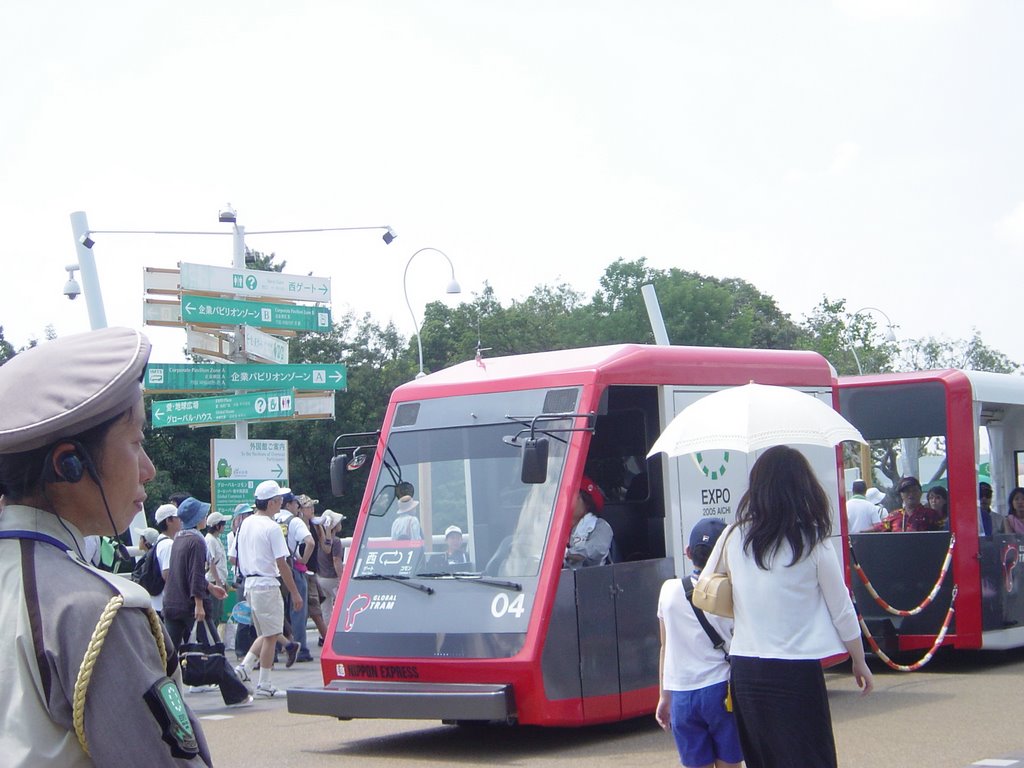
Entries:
{"x":63,"y":387}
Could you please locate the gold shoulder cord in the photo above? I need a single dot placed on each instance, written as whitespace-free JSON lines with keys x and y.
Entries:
{"x":92,"y":652}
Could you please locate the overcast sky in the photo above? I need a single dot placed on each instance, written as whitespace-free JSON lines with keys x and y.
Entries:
{"x":863,"y":149}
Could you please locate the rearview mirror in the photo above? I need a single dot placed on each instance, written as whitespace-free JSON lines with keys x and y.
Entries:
{"x":535,"y":460}
{"x":338,"y":469}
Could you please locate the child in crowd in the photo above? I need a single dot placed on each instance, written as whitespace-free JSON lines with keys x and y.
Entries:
{"x":694,"y":667}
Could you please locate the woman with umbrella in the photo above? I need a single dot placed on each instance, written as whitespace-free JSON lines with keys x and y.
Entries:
{"x":792,"y":609}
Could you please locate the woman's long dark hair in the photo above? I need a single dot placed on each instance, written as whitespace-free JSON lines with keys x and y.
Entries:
{"x":785,"y":501}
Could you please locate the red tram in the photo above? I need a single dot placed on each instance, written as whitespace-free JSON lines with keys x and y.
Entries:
{"x":497,"y":447}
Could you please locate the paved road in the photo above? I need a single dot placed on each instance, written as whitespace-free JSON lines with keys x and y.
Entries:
{"x":961,"y":709}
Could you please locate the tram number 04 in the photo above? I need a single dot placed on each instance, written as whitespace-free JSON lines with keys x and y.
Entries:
{"x":501,"y":605}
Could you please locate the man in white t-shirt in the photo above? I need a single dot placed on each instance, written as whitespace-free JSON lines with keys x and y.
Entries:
{"x":167,"y":526}
{"x":262,"y":555}
{"x":861,"y":513}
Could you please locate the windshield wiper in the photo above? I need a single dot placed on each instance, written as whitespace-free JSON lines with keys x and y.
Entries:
{"x":474,"y":577}
{"x":400,"y":579}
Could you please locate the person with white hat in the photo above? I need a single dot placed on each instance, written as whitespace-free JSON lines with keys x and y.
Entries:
{"x":329,"y":554}
{"x":454,"y":553}
{"x":88,"y":681}
{"x":406,"y":526}
{"x":167,"y":526}
{"x":262,"y":558}
{"x":217,"y":571}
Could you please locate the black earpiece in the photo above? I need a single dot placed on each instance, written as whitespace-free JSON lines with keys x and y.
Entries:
{"x":71,"y":468}
{"x":72,"y":465}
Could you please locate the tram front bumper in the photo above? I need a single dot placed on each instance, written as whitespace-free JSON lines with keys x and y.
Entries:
{"x":348,"y":699}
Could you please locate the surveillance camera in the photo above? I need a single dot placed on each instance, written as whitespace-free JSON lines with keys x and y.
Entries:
{"x":227,"y":215}
{"x":87,"y":241}
{"x":389,"y":235}
{"x":72,"y":289}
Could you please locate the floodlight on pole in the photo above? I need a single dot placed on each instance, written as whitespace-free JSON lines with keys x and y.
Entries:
{"x":452,"y":287}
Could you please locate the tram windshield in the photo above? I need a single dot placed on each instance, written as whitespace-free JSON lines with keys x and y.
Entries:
{"x":450,"y":551}
{"x":459,"y":506}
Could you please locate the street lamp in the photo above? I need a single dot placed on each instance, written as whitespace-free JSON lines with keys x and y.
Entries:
{"x":890,"y":336}
{"x":452,"y":287}
{"x":866,"y":465}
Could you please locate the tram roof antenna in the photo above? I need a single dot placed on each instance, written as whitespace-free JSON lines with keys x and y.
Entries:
{"x":480,"y":350}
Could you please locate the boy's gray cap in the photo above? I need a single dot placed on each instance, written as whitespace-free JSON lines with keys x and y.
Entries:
{"x":63,"y":387}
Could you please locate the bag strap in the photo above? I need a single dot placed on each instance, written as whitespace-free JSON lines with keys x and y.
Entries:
{"x":238,"y":549}
{"x":35,"y":536}
{"x":710,"y":631}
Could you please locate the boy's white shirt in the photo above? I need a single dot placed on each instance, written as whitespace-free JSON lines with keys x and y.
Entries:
{"x":691,"y":661}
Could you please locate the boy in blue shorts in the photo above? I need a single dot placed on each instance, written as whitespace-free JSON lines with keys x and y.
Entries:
{"x":694,"y":667}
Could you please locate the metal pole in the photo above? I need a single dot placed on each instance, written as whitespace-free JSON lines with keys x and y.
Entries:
{"x":453,"y":287}
{"x":654,"y":315}
{"x":238,"y":262}
{"x":87,"y":267}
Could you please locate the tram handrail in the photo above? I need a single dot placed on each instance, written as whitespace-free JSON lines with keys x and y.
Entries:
{"x":939,"y":638}
{"x":924,"y":603}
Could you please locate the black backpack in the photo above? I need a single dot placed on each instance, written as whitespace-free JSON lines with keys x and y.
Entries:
{"x":148,"y":574}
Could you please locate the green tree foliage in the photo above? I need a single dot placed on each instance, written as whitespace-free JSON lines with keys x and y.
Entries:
{"x":968,"y":354}
{"x":852,"y":342}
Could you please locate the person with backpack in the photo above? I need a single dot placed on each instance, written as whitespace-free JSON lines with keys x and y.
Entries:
{"x":167,"y":525}
{"x":300,"y":550}
{"x":694,"y":704}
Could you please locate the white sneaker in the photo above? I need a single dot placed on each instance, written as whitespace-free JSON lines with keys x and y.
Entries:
{"x":246,"y":702}
{"x":266,"y":691}
{"x":242,"y":674}
{"x":202,"y":688}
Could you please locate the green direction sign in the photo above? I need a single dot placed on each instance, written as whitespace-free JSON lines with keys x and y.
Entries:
{"x":238,"y":466}
{"x":217,"y":410}
{"x":218,"y":377}
{"x":259,"y":314}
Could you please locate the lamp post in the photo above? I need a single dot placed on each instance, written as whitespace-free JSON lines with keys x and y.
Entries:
{"x":452,"y":287}
{"x":890,"y":336}
{"x":866,"y":468}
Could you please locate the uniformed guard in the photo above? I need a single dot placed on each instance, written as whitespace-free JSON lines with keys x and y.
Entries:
{"x":88,"y":681}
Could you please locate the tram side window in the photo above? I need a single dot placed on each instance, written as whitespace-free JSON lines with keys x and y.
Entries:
{"x":911,"y":473}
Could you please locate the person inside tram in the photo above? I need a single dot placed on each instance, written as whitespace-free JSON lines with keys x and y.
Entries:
{"x":454,"y":552}
{"x":912,"y":516}
{"x":938,"y":499}
{"x":406,"y":526}
{"x":590,"y":541}
{"x":988,"y":520}
{"x":1014,"y":523}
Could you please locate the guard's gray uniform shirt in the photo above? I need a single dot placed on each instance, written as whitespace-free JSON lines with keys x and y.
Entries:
{"x":53,"y":601}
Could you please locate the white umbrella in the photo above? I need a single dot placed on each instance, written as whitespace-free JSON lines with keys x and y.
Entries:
{"x":753,"y":417}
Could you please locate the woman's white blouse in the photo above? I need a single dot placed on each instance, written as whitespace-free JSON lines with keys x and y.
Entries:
{"x":799,"y":611}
